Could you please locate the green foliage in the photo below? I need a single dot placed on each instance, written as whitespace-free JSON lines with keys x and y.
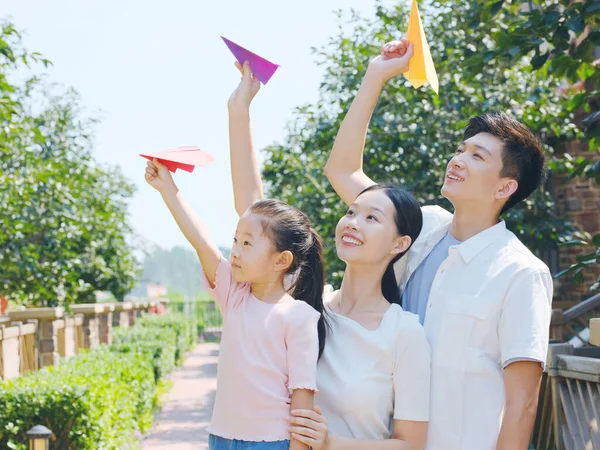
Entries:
{"x":209,"y":313}
{"x":155,"y":344}
{"x":63,"y":227}
{"x":590,"y":256}
{"x":414,"y":132}
{"x":97,"y":400}
{"x":183,"y":327}
{"x":202,"y":307}
{"x":178,"y":269}
{"x":560,"y":40}
{"x":92,"y":401}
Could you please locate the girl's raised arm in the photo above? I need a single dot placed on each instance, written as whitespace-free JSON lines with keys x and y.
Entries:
{"x":247,"y":185}
{"x":195,"y":231}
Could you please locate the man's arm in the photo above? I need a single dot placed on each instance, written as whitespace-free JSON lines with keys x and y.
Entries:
{"x":522,"y":384}
{"x":523,"y":334}
{"x":344,"y":169}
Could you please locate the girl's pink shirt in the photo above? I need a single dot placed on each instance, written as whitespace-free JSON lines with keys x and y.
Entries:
{"x":267,"y":350}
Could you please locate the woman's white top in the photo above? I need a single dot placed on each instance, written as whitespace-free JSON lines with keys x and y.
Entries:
{"x":368,"y":378}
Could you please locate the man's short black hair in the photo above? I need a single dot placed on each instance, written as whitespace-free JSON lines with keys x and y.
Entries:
{"x":522,"y":155}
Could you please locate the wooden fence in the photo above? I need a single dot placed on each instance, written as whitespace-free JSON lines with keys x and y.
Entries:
{"x":18,"y":352}
{"x":569,"y":406}
{"x":39,"y":337}
{"x":568,"y":324}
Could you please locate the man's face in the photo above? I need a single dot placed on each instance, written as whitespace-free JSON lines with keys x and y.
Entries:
{"x":473,"y":174}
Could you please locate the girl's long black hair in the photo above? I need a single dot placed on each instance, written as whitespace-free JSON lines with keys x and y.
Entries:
{"x":290,"y":229}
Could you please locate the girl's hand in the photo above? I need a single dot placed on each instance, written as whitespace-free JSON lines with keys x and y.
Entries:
{"x":310,"y":428}
{"x":246,"y":90}
{"x":393,"y":61}
{"x":159,"y":177}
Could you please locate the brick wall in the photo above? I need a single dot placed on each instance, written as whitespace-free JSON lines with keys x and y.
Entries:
{"x":579,"y":201}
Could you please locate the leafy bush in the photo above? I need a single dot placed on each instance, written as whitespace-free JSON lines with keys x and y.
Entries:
{"x":96,"y":400}
{"x":183,"y":326}
{"x":156,"y":344}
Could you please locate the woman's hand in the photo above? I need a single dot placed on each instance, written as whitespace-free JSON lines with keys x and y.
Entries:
{"x":310,"y":428}
{"x":393,"y":61}
{"x":246,"y":90}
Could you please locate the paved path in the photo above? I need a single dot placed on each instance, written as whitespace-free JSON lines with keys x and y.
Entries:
{"x":181,"y":425}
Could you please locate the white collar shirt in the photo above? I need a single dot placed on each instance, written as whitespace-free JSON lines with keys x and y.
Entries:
{"x":489,"y":305}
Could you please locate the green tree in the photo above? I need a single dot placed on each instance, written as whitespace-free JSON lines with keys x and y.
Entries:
{"x":561,"y":41}
{"x":63,"y":226}
{"x":413,"y":133}
{"x":178,"y":269}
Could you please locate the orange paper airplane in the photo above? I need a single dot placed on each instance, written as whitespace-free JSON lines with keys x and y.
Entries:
{"x":184,"y":158}
{"x":421,"y":65}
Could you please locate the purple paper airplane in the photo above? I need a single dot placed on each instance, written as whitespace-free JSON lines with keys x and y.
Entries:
{"x":261,"y":68}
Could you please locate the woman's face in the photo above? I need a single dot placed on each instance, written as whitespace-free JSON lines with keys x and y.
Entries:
{"x":368,"y":234}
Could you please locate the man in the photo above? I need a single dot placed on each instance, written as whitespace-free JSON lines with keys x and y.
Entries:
{"x":484,"y":299}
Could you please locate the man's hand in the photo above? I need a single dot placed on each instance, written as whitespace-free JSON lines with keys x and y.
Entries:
{"x":393,"y":61}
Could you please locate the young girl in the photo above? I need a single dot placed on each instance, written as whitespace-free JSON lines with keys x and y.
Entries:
{"x":271,"y":338}
{"x":373,"y":377}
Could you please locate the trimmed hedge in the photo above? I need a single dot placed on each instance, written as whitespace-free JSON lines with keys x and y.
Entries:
{"x":183,"y":327}
{"x":97,"y":400}
{"x":156,"y":344}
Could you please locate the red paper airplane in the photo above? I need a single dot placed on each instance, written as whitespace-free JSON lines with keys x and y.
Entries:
{"x":184,"y":158}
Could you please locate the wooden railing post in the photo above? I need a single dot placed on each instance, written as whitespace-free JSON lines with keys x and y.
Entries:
{"x":132,"y":314}
{"x":105,"y":323}
{"x":91,"y":322}
{"x":552,"y":368}
{"x":9,"y":343}
{"x":47,"y":331}
{"x":67,"y":340}
{"x":143,"y":308}
{"x":78,"y":332}
{"x":28,"y":351}
{"x":557,"y":325}
{"x":60,"y":336}
{"x":121,"y":315}
{"x":595,"y":331}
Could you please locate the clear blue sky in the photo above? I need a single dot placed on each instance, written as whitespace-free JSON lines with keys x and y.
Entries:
{"x":160,"y":76}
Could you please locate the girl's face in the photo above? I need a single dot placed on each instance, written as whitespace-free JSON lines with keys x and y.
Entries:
{"x":252,"y":253}
{"x":368,"y":234}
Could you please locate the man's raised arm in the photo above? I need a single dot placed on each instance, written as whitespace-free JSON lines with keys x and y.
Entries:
{"x":344,"y":168}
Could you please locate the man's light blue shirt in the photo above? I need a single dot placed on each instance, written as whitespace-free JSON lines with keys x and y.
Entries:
{"x":416,"y":294}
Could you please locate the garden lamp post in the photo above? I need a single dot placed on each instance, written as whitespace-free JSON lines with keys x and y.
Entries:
{"x":39,"y":438}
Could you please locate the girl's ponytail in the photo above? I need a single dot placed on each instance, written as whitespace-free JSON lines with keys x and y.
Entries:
{"x":289,"y":229}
